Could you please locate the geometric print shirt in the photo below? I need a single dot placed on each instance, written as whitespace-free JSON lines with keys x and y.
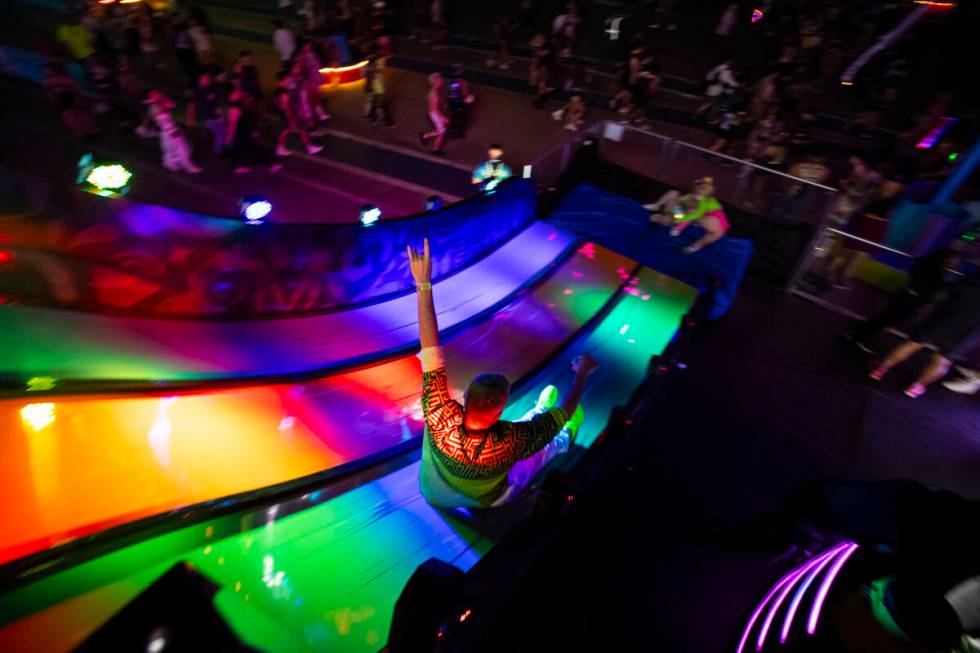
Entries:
{"x":461,"y":468}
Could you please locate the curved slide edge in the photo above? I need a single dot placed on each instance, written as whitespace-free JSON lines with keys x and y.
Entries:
{"x":74,"y":349}
{"x":75,"y":466}
{"x":340,"y":558}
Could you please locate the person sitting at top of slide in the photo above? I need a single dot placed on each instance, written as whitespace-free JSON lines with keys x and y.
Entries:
{"x":699,"y":206}
{"x":470,"y":457}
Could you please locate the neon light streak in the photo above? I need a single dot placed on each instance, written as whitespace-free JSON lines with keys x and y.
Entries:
{"x":885,"y":41}
{"x":787,"y":588}
{"x":933,"y":3}
{"x":344,"y":69}
{"x":936,"y":133}
{"x":788,"y":580}
{"x":794,"y":605}
{"x":811,"y":625}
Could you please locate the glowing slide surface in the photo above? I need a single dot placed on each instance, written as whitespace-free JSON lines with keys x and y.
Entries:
{"x":76,"y":465}
{"x":72,"y":345}
{"x":322,"y":573}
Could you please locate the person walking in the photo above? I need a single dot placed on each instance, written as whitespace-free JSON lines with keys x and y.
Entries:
{"x":376,"y":105}
{"x":436,"y":109}
{"x":175,"y":149}
{"x":290,"y":122}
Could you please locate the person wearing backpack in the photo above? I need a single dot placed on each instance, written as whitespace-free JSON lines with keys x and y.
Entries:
{"x":720,"y":82}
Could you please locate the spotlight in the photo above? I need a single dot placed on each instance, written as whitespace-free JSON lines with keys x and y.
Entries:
{"x":255,"y":209}
{"x":108,"y":179}
{"x":370,"y":215}
{"x":433,"y":203}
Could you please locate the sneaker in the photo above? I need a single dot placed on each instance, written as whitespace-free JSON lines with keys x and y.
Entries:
{"x":915,"y":391}
{"x":574,"y":423}
{"x":877,"y":374}
{"x":842,"y":285}
{"x":313,"y":149}
{"x":969,"y":385}
{"x":282,"y":150}
{"x":571,"y":127}
{"x":623,"y":110}
{"x":504,"y":65}
{"x":547,"y":398}
{"x":275,"y":167}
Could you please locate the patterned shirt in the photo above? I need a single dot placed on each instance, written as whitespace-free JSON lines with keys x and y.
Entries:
{"x":470,"y":469}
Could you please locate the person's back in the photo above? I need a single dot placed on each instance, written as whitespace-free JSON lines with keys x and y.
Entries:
{"x":470,"y":469}
{"x":470,"y":457}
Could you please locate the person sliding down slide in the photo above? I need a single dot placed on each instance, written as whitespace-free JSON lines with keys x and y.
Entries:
{"x":700,"y":206}
{"x":470,"y":457}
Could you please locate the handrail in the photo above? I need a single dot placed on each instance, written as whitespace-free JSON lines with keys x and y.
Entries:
{"x":731,"y":158}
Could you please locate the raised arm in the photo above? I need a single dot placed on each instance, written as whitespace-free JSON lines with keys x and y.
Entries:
{"x":583,"y":366}
{"x":421,"y":265}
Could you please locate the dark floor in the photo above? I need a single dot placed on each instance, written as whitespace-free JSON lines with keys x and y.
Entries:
{"x":769,"y":401}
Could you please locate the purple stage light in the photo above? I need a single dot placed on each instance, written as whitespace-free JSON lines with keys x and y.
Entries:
{"x":787,"y":588}
{"x":758,"y":610}
{"x":811,"y":625}
{"x":811,"y":569}
{"x":937,"y":132}
{"x":794,"y":605}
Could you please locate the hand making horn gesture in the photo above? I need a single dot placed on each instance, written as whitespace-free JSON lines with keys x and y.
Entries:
{"x":421,"y":263}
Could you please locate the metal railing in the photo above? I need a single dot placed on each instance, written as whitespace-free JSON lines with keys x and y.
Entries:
{"x":786,"y":216}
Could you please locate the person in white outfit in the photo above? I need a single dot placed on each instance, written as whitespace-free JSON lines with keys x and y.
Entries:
{"x":284,"y":41}
{"x":174,"y":147}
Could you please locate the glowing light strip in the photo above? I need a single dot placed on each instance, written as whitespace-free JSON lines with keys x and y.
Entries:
{"x":787,"y":588}
{"x":933,"y":3}
{"x":345,"y":69}
{"x":787,"y":582}
{"x":758,"y":610}
{"x":937,"y":132}
{"x":885,"y":41}
{"x":811,"y":625}
{"x":794,"y":605}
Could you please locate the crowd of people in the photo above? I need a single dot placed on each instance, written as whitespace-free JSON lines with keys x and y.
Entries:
{"x":102,"y":55}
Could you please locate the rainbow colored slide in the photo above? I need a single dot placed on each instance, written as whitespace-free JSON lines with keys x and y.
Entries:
{"x":280,"y":456}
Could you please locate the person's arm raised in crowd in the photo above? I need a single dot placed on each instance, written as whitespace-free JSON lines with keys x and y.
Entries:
{"x":421,"y":266}
{"x":583,"y":366}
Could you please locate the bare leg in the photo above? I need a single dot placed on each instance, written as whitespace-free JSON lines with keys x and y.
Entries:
{"x":937,"y":369}
{"x":440,"y":138}
{"x":899,"y":355}
{"x":667,"y":199}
